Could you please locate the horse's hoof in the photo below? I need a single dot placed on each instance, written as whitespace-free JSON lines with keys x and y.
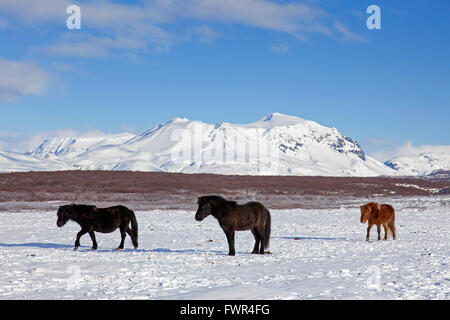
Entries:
{"x":93,"y":248}
{"x":75,"y":248}
{"x":135,"y":247}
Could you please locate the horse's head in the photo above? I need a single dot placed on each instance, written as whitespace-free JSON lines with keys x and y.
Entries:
{"x":63,"y":215}
{"x":205,"y":207}
{"x":365,"y":212}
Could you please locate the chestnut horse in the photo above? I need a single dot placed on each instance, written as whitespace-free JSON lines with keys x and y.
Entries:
{"x":379,"y":214}
{"x":234,"y":217}
{"x":105,"y":220}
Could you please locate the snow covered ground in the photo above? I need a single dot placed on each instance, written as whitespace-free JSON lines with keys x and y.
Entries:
{"x":316,"y":254}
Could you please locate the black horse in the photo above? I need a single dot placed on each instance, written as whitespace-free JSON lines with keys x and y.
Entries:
{"x":105,"y":220}
{"x":232,"y":216}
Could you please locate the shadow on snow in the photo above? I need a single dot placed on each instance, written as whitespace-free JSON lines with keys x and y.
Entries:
{"x":311,"y":238}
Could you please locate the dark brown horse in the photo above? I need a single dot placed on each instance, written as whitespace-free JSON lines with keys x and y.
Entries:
{"x":105,"y":220}
{"x":234,"y":217}
{"x":379,"y":214}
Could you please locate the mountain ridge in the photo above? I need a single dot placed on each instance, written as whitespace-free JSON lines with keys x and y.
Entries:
{"x":276,"y":144}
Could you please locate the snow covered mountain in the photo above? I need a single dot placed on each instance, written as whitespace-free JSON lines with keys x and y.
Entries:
{"x":424,"y":163}
{"x":12,"y":161}
{"x":274,"y":145}
{"x":67,"y":147}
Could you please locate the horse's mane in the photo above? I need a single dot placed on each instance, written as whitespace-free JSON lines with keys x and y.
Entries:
{"x":81,"y":206}
{"x":374,"y":205}
{"x":219,"y":199}
{"x":213,"y":197}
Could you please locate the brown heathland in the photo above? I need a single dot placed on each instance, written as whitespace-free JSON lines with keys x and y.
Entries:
{"x":151,"y":190}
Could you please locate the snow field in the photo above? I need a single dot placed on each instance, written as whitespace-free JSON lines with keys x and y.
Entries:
{"x":316,"y":254}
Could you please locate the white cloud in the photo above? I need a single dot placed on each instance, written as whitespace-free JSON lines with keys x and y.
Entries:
{"x":408,"y":149}
{"x":18,"y":79}
{"x":292,"y":18}
{"x":90,"y":47}
{"x":22,"y":142}
{"x":82,"y":49}
{"x":11,"y":141}
{"x":346,"y":34}
{"x":146,"y":26}
{"x":279,"y":48}
{"x":284,"y":17}
{"x":35,"y":10}
{"x":125,"y":27}
{"x":205,"y":33}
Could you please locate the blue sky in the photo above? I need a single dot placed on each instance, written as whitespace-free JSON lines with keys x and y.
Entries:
{"x":136,"y":64}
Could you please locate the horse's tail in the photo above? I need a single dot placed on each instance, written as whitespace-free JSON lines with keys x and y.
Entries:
{"x":267,"y":231}
{"x":389,"y":227}
{"x":392,"y":219}
{"x":391,"y":224}
{"x":134,"y":226}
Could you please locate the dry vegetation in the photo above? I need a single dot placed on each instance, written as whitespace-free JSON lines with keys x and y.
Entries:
{"x":150,"y":190}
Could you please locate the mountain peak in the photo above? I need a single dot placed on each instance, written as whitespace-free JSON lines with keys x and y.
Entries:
{"x":279,"y":116}
{"x":177,"y":120}
{"x":277,"y":119}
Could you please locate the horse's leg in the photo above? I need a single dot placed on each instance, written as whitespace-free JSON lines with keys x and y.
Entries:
{"x":368,"y":231}
{"x":260,"y":230}
{"x":133,"y":239}
{"x":386,"y":231}
{"x":122,"y":235}
{"x":94,"y":242}
{"x":79,"y":234}
{"x":379,"y":231}
{"x":230,"y":239}
{"x":257,"y":240}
